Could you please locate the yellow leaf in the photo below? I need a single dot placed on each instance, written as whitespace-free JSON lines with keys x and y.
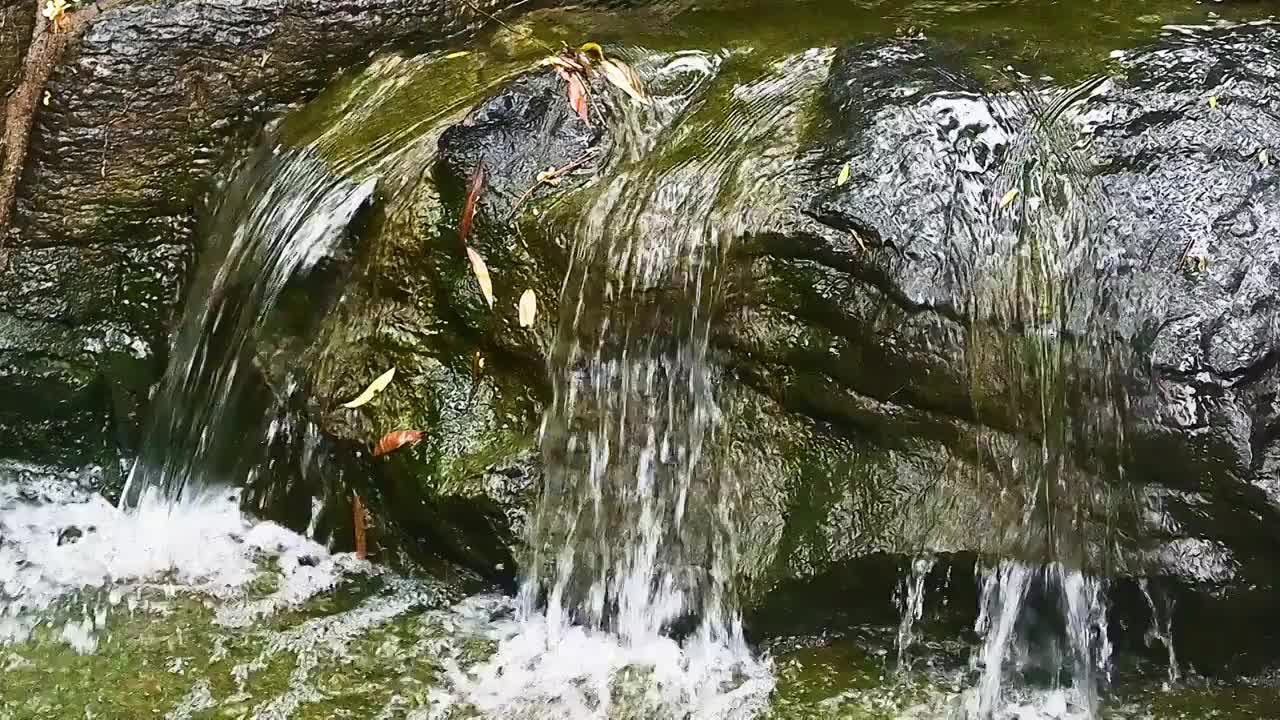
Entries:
{"x":1263,"y":157}
{"x":379,"y":384}
{"x":550,"y":176}
{"x":528,"y":308}
{"x":1213,"y":102}
{"x":482,"y":274}
{"x":846,"y":172}
{"x":625,"y":79}
{"x":1008,"y":199}
{"x":593,"y":51}
{"x":456,"y":55}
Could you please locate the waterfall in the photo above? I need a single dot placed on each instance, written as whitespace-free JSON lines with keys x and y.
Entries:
{"x":634,"y":540}
{"x":911,"y":604}
{"x":283,"y":212}
{"x":1035,"y":274}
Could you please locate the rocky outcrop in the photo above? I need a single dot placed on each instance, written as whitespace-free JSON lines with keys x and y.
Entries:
{"x":1035,"y":323}
{"x":145,"y":108}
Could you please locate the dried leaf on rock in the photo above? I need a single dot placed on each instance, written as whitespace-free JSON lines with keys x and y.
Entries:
{"x":358,"y":522}
{"x":379,"y":384}
{"x":1213,"y":102}
{"x":1008,"y":199}
{"x":846,"y":172}
{"x":623,"y":77}
{"x":474,"y":186}
{"x":482,"y":274}
{"x":393,"y":441}
{"x":456,"y":55}
{"x":527,"y":309}
{"x":578,"y":97}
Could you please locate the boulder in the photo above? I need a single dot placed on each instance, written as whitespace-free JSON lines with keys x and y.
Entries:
{"x":154,"y":98}
{"x":1027,"y":322}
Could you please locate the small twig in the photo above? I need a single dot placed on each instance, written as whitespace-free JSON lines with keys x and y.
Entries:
{"x":555,"y":174}
{"x":494,"y":18}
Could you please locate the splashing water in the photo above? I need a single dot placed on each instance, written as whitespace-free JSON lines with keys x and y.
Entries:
{"x":69,"y":557}
{"x":635,"y":536}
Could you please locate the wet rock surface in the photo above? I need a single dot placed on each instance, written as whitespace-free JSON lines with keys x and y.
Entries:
{"x":155,"y":97}
{"x":898,"y":345}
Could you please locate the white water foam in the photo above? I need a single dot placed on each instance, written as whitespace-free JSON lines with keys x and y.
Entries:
{"x":544,"y":670}
{"x":66,"y":556}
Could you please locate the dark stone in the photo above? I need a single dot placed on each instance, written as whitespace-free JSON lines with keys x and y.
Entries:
{"x":70,"y":535}
{"x":886,"y":340}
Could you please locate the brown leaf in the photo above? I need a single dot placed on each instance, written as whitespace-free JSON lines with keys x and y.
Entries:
{"x":393,"y":441}
{"x":358,"y":519}
{"x":482,"y":274}
{"x":623,"y":77}
{"x":474,"y":186}
{"x":578,"y":97}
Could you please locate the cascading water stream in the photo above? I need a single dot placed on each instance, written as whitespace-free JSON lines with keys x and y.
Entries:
{"x":284,"y":212}
{"x":635,"y":537}
{"x":1036,"y":255}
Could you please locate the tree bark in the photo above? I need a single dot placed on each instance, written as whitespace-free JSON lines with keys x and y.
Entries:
{"x":47,"y":47}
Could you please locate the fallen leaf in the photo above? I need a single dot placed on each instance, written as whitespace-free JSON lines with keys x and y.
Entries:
{"x":1213,"y":102}
{"x":379,"y":384}
{"x":846,"y":172}
{"x":565,"y":61}
{"x":1264,"y":158}
{"x":56,"y":12}
{"x":482,"y":274}
{"x":474,"y":186}
{"x":625,"y":79}
{"x":46,"y":98}
{"x":456,"y":55}
{"x":358,"y":522}
{"x":550,"y":176}
{"x":578,"y":96}
{"x":393,"y":441}
{"x":527,"y":309}
{"x":1008,"y":199}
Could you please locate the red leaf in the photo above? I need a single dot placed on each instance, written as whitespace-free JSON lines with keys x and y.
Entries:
{"x":578,"y":97}
{"x":393,"y":441}
{"x":357,"y":511}
{"x":474,"y":186}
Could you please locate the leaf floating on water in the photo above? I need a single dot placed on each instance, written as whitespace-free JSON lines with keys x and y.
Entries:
{"x":1213,"y":102}
{"x":623,"y":77}
{"x":474,"y":186}
{"x":482,"y":274}
{"x":846,"y":172}
{"x":393,"y":441}
{"x":1008,"y":198}
{"x":456,"y":55}
{"x":358,"y":522}
{"x":527,"y":308}
{"x":379,"y":384}
{"x":578,"y":97}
